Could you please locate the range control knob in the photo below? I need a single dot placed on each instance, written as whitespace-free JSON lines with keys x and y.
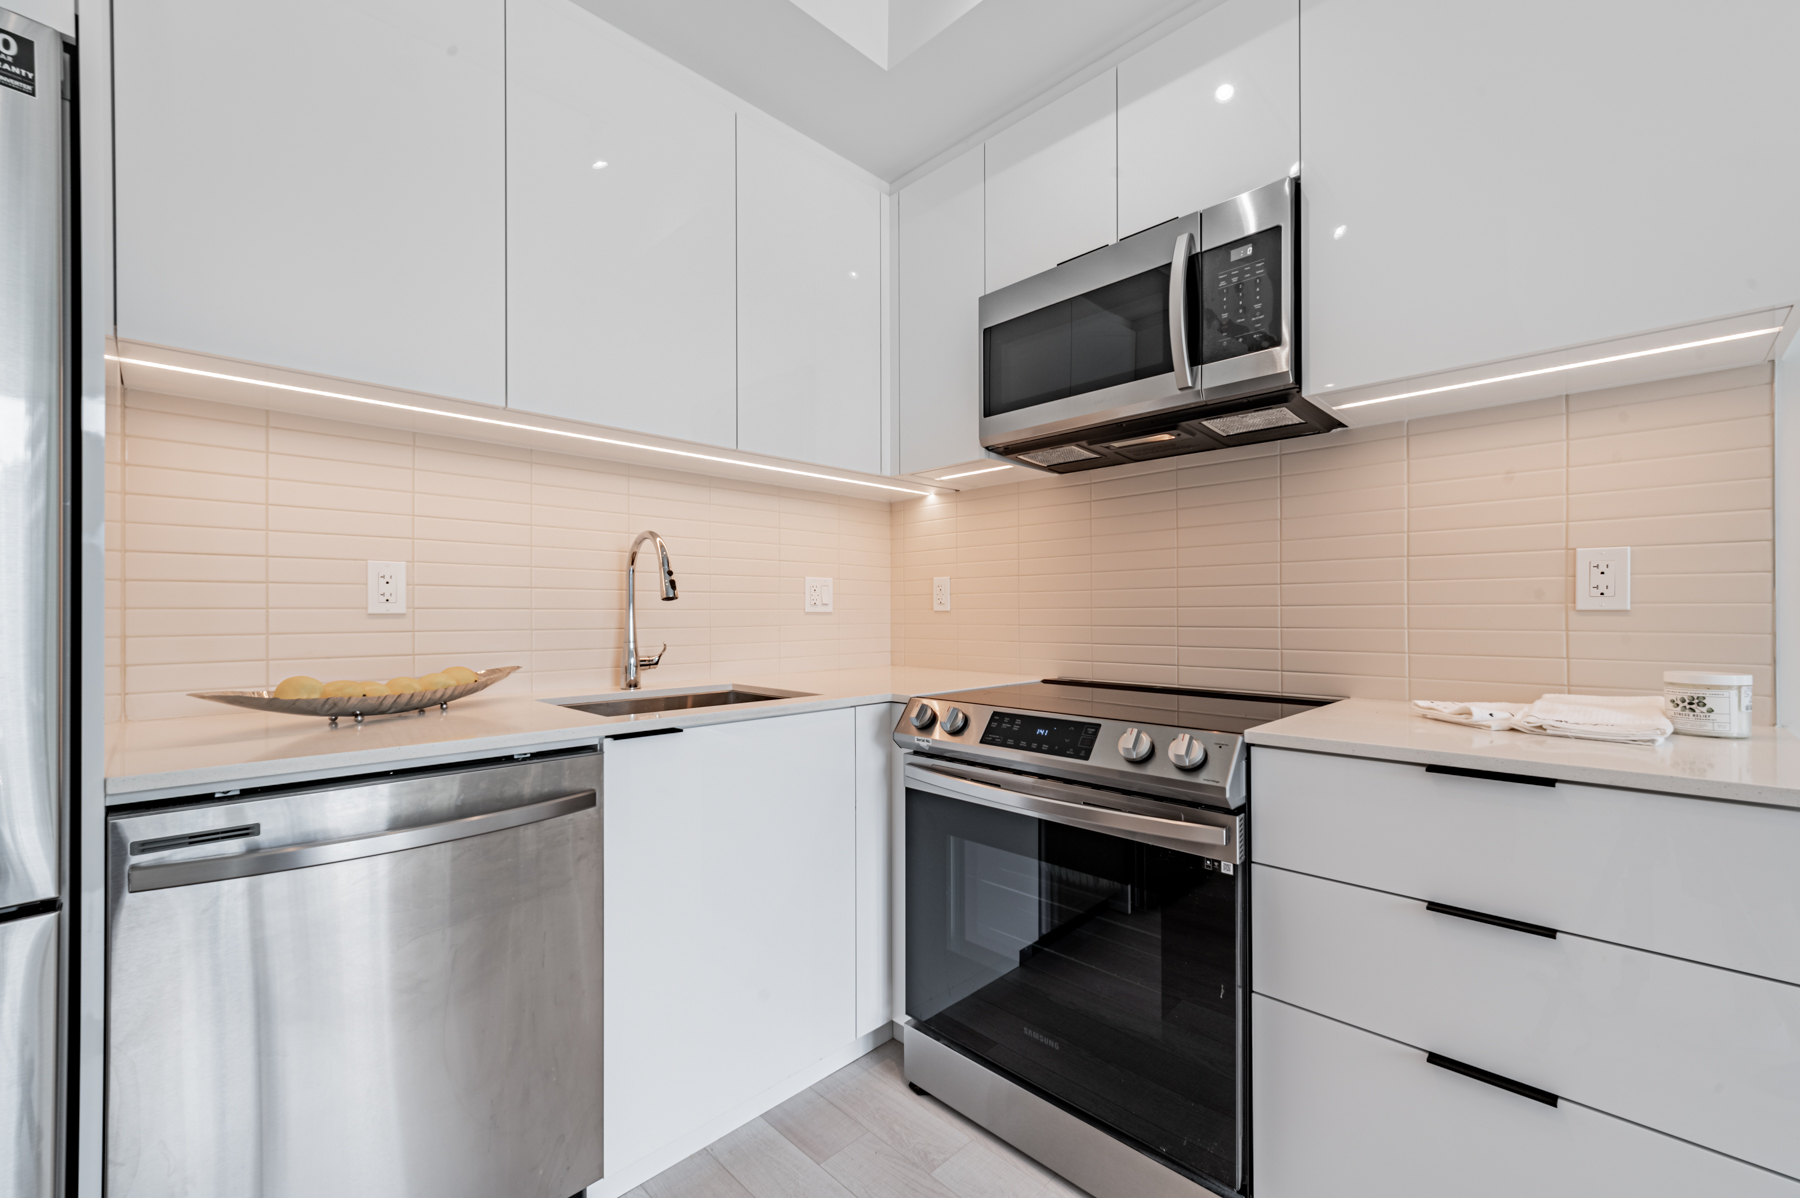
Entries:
{"x":923,"y":717}
{"x":1186,"y":752}
{"x":955,"y":721}
{"x":1136,"y":745}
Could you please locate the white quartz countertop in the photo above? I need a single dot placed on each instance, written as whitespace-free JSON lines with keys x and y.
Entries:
{"x":152,"y":759}
{"x":1763,"y":768}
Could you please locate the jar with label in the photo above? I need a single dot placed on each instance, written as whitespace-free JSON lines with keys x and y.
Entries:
{"x":1708,"y":704}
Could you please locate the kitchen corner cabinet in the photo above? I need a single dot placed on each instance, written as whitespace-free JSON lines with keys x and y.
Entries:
{"x":808,"y":303}
{"x":1209,"y":112}
{"x":1051,"y":184}
{"x":620,"y":182}
{"x":1511,"y":179}
{"x":939,"y":256}
{"x":316,"y":186}
{"x":731,"y":918}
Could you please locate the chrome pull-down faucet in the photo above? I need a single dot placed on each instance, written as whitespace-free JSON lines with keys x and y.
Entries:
{"x":633,"y":663}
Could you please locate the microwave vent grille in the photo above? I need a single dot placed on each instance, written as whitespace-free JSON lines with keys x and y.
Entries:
{"x":1239,"y":423}
{"x":1061,"y":455}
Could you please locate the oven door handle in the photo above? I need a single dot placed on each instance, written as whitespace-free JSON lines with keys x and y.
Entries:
{"x":1167,"y":833}
{"x":1178,"y":313}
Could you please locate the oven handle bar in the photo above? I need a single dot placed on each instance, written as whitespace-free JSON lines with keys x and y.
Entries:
{"x":1178,"y":314}
{"x":327,"y":852}
{"x":1169,"y":833}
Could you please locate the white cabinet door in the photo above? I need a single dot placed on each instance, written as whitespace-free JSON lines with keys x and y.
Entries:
{"x":1340,"y":1113}
{"x":940,"y":265}
{"x":1708,"y":1055}
{"x":809,"y":302}
{"x":1051,"y":184}
{"x":1515,"y":178}
{"x":316,"y":186}
{"x":1209,"y":112}
{"x":731,"y":957}
{"x":621,"y":288}
{"x":874,"y":864}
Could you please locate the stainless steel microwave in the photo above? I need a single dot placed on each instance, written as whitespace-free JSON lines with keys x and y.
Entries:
{"x":1178,"y":339}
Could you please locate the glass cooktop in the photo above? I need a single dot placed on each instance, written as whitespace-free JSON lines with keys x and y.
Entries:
{"x":1172,"y":706}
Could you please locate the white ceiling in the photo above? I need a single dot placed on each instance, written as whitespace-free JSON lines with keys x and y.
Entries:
{"x":889,"y":84}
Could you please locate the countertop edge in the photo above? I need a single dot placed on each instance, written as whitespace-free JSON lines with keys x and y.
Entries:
{"x":149,"y":787}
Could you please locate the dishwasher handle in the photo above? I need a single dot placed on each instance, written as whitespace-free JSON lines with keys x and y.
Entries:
{"x":161,"y":876}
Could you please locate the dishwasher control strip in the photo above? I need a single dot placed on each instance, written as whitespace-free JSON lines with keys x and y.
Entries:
{"x":155,"y":876}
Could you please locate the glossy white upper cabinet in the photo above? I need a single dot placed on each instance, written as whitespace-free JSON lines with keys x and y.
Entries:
{"x":1209,"y":112}
{"x":939,"y":256}
{"x":316,"y":186}
{"x":1487,"y":181}
{"x":809,"y":301}
{"x":621,"y":291}
{"x":1051,"y":184}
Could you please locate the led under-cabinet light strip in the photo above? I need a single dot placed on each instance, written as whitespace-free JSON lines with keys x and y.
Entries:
{"x":1525,"y":374}
{"x":530,"y":428}
{"x":967,"y":473}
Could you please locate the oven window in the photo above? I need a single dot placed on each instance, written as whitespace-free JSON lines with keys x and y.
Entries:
{"x":1111,"y":335}
{"x":1099,"y":971}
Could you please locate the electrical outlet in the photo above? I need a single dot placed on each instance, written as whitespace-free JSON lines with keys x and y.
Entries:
{"x":1603,"y":579}
{"x":940,"y":594}
{"x":387,"y":588}
{"x":818,"y":594}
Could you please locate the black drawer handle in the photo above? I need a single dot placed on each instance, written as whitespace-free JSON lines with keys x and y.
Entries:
{"x":1499,"y":921}
{"x":1493,"y":1079}
{"x":646,"y":732}
{"x":1490,"y":775}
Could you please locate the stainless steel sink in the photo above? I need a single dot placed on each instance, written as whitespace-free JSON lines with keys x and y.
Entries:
{"x":682,"y":701}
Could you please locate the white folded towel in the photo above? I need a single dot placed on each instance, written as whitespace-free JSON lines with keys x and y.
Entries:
{"x":1627,"y":719}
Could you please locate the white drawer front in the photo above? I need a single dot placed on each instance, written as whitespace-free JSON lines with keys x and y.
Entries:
{"x":1701,"y":1053}
{"x":1340,"y":1113}
{"x":1709,"y":881}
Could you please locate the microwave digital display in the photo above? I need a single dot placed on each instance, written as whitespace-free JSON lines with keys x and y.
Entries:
{"x":1059,"y":738}
{"x":1240,"y":294}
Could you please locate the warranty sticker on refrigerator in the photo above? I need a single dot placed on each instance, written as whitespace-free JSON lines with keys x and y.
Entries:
{"x":18,"y":63}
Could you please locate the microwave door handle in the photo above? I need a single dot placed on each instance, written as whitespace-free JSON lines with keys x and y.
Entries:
{"x":1178,"y":313}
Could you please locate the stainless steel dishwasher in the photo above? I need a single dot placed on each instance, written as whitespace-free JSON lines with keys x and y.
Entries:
{"x":384,"y":986}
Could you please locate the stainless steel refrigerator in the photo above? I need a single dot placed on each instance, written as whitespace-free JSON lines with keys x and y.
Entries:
{"x":34,"y":373}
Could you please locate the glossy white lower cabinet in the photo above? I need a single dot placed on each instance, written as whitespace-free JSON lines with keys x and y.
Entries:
{"x":1343,"y":1113}
{"x":1709,"y":881}
{"x":620,"y":183}
{"x":809,"y":301}
{"x":731,"y":918}
{"x":1705,"y":1054}
{"x":874,"y":864}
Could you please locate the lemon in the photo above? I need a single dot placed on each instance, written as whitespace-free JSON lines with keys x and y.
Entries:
{"x":432,"y":682}
{"x":299,"y":687}
{"x":342,"y":689}
{"x":462,"y":675}
{"x":402,"y":685}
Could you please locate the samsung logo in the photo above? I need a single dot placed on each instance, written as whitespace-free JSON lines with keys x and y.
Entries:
{"x":1041,"y":1038}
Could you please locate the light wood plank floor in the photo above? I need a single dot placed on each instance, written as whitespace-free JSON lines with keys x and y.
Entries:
{"x":860,"y":1133}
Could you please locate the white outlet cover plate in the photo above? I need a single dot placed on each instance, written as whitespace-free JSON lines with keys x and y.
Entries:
{"x":387,"y":588}
{"x":818,"y":594}
{"x":940,"y":594}
{"x":1603,"y":579}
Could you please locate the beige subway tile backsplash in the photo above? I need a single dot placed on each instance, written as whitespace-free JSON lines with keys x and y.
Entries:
{"x":1428,"y":559}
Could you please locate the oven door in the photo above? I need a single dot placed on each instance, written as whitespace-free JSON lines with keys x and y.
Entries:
{"x":1093,"y":956}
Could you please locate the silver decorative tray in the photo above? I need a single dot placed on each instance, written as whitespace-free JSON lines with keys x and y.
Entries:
{"x":359,"y":705}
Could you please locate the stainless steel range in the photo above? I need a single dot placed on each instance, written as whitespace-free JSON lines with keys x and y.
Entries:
{"x":1076,"y":953}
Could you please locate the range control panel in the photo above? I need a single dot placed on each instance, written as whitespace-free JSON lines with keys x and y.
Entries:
{"x":1190,"y":764}
{"x":1038,"y":734}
